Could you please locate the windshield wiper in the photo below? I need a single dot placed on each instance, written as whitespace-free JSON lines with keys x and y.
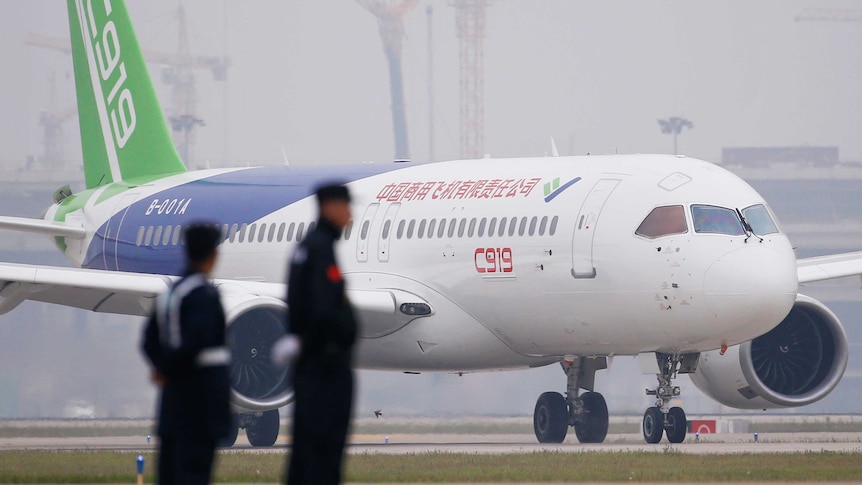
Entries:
{"x":749,"y":231}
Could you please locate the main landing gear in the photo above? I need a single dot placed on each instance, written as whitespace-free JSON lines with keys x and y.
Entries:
{"x":659,"y":419}
{"x":261,"y":429}
{"x":587,"y":413}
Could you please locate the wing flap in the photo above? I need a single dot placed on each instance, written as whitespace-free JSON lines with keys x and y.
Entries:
{"x":39,"y":226}
{"x":829,"y":267}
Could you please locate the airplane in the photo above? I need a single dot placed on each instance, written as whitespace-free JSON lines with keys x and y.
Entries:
{"x":458,"y":266}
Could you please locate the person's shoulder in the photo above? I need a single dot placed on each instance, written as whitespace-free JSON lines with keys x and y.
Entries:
{"x":201,"y":287}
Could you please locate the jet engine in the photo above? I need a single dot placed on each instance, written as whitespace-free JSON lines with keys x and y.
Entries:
{"x":796,"y":363}
{"x":255,"y":323}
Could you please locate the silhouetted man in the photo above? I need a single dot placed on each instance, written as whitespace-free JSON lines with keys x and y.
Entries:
{"x":184,"y":341}
{"x":322,"y":319}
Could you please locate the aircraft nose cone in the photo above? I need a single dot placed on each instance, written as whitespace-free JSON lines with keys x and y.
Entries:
{"x":752,"y":288}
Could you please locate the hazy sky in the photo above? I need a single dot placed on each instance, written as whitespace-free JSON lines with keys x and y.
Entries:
{"x":310,"y":76}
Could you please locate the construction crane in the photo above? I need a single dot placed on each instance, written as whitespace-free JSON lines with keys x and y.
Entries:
{"x":829,"y":15}
{"x":470,"y":23}
{"x":390,"y":20}
{"x":52,"y":120}
{"x":177,"y":72}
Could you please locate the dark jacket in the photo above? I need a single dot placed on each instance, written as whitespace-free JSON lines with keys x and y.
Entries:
{"x":184,"y":340}
{"x":319,"y":312}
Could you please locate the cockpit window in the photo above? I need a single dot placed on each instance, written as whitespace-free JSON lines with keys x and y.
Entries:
{"x":759,"y":219}
{"x":709,"y":219}
{"x":663,"y":221}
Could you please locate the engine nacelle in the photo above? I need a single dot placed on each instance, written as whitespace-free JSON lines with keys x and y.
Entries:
{"x":255,"y":323}
{"x":797,"y":363}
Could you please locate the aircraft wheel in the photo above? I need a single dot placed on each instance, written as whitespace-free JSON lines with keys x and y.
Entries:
{"x":593,"y":427}
{"x":264,"y":430}
{"x":230,"y":439}
{"x":676,"y":423}
{"x":551,"y":418}
{"x":653,"y":425}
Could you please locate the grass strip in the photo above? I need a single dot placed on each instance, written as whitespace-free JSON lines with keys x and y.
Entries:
{"x":119,"y":467}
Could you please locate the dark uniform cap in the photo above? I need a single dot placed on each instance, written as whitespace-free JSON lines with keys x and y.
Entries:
{"x":329,"y":192}
{"x":201,"y":240}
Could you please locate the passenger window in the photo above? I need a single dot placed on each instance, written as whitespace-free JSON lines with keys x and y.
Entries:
{"x":472,"y":227}
{"x":348,"y":230}
{"x":513,"y":225}
{"x":242,"y":230}
{"x":157,"y":236}
{"x":281,"y":227}
{"x":251,"y":230}
{"x":261,"y":233}
{"x":224,"y":231}
{"x":311,"y":226}
{"x":401,"y":229}
{"x":461,"y":227}
{"x":166,"y":236}
{"x":553,"y":229}
{"x":482,"y":227}
{"x":453,"y":223}
{"x":178,"y":232}
{"x":299,"y":231}
{"x":363,"y":233}
{"x":523,"y":226}
{"x":759,"y":219}
{"x":442,"y":229}
{"x":140,"y":238}
{"x":663,"y":221}
{"x":149,"y":237}
{"x":709,"y":219}
{"x":502,"y":227}
{"x":271,"y":235}
{"x":491,"y":226}
{"x":421,"y":232}
{"x":290,"y":229}
{"x":233,"y":230}
{"x":410,"y":227}
{"x":533,"y":223}
{"x":431,"y":226}
{"x":386,"y":226}
{"x":543,"y":225}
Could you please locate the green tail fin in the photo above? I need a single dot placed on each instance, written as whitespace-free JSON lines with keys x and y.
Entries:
{"x":123,"y":130}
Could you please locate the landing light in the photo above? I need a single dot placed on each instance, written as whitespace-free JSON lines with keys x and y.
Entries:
{"x":415,"y":309}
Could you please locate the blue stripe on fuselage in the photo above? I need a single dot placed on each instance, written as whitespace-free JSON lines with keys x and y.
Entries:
{"x":237,"y":197}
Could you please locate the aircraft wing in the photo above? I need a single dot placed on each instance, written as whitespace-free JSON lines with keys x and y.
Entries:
{"x":98,"y":291}
{"x":829,"y":267}
{"x":134,"y":293}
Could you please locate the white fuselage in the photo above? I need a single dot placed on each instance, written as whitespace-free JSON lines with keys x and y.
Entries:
{"x":572,"y":278}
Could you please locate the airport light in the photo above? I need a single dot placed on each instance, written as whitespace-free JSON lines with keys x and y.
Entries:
{"x":674,"y":125}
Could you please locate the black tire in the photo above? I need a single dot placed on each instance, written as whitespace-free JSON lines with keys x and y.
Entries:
{"x":653,"y":425}
{"x":230,"y":439}
{"x":676,"y":425}
{"x":593,"y":425}
{"x":264,"y":430}
{"x":551,"y":418}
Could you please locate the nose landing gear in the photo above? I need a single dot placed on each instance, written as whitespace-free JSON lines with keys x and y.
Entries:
{"x":660,"y":419}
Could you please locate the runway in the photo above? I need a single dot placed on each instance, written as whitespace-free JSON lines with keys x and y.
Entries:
{"x":490,"y":444}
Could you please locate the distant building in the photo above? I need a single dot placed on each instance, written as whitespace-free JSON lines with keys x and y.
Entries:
{"x":765,"y":156}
